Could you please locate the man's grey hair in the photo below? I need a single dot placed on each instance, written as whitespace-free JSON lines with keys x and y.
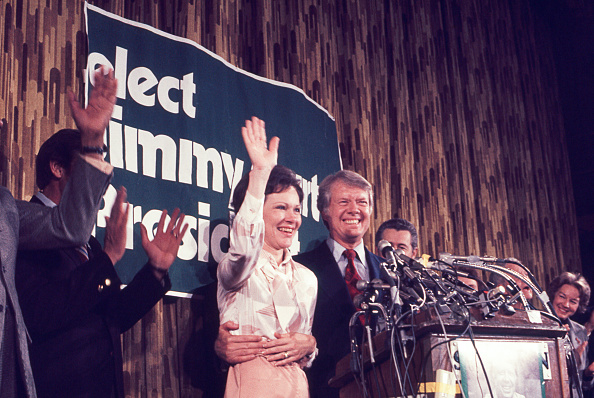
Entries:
{"x":347,"y":177}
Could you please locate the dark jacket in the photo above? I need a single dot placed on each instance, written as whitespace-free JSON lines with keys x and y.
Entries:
{"x":334,"y":308}
{"x":75,"y":318}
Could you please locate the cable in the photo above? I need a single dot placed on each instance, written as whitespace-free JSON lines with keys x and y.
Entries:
{"x":403,"y":386}
{"x":393,"y":359}
{"x":414,"y":347}
{"x":445,"y":334}
{"x":372,"y":359}
{"x":528,"y":272}
{"x":426,"y":357}
{"x":471,"y":335}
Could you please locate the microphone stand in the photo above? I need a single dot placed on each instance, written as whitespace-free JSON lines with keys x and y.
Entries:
{"x":355,"y":363}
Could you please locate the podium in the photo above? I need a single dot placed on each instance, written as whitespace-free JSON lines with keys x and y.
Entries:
{"x":522,"y":353}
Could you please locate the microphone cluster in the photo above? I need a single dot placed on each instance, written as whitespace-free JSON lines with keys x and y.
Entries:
{"x":407,"y":286}
{"x":407,"y":283}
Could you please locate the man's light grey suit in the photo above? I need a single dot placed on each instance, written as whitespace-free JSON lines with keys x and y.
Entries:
{"x":25,"y":225}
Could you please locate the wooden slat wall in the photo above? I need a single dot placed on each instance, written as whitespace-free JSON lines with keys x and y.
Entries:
{"x":450,"y":109}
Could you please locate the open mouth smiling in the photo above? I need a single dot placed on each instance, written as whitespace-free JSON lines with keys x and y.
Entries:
{"x":563,"y":310}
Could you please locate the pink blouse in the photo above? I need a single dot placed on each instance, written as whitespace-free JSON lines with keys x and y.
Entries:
{"x":263,"y":297}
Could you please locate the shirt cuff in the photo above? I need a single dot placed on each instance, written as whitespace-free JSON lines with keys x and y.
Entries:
{"x":100,"y":164}
{"x":307,"y":360}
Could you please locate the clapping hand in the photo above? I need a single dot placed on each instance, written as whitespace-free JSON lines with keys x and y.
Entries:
{"x":115,"y":228}
{"x":162,"y":250}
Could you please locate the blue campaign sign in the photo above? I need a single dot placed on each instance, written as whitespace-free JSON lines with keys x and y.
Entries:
{"x":174,"y":140}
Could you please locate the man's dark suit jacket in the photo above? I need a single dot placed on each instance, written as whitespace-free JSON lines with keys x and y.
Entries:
{"x":75,"y":318}
{"x":334,"y":308}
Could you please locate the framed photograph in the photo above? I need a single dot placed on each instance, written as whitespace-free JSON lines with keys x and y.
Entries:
{"x":512,"y":369}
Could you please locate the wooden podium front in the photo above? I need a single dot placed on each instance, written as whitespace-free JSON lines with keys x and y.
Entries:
{"x":515,"y":348}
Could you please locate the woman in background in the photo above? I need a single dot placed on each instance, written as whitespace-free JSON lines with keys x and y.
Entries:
{"x":259,"y":286}
{"x":571,"y":293}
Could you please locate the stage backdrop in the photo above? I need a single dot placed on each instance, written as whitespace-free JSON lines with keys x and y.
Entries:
{"x":449,"y":108}
{"x":175,"y":141}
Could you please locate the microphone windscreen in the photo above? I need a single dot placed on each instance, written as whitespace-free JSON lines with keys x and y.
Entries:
{"x":358,"y":300}
{"x":361,"y":285}
{"x":383,"y":246}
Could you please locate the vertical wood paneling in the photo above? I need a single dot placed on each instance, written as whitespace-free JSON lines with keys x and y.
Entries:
{"x":448,"y":107}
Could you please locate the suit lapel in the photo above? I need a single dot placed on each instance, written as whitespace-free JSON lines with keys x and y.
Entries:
{"x":329,"y":275}
{"x":331,"y":280}
{"x":373,"y":263}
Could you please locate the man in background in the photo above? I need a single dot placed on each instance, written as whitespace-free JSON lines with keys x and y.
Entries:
{"x":29,"y":226}
{"x":511,"y":263}
{"x":498,"y":280}
{"x":71,"y":299}
{"x":401,"y":234}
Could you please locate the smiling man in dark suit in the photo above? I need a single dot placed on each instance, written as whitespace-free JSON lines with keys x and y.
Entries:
{"x":345,"y":202}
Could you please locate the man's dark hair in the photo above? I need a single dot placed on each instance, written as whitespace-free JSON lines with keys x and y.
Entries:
{"x":60,"y":148}
{"x":280,"y":179}
{"x":575,"y":280}
{"x":399,"y":224}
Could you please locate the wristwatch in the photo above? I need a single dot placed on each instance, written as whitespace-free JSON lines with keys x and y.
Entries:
{"x":94,"y":149}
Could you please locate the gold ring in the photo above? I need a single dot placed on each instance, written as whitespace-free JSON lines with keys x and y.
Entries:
{"x":286,"y":355}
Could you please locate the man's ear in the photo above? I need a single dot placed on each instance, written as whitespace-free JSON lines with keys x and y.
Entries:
{"x":57,"y":169}
{"x":323,"y":215}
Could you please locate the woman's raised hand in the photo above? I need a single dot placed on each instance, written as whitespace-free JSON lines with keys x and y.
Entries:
{"x":262,"y":156}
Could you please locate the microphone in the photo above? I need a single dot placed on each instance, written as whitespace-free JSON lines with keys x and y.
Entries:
{"x":374,"y":284}
{"x":388,"y":275}
{"x":417,"y":289}
{"x":397,"y":256}
{"x":464,"y":288}
{"x":410,"y":274}
{"x":449,"y":258}
{"x":370,"y":295}
{"x":447,"y":269}
{"x":407,"y":260}
{"x":387,"y":252}
{"x":497,"y":291}
{"x":410,"y":295}
{"x":491,"y":300}
{"x":384,"y":247}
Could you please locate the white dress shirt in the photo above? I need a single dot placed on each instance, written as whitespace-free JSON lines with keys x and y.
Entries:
{"x":337,"y":251}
